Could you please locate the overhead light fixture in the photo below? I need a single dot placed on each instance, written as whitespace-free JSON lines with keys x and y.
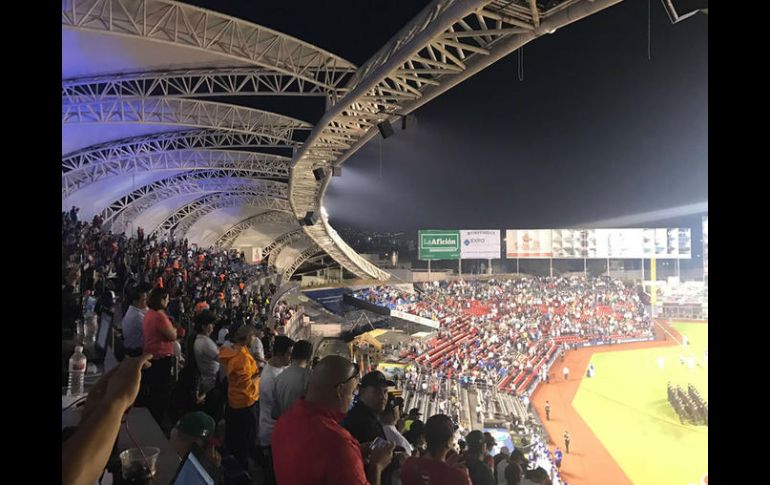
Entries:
{"x":386,"y":130}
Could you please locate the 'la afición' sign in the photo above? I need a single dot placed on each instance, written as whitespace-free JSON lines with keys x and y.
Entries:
{"x":436,"y":245}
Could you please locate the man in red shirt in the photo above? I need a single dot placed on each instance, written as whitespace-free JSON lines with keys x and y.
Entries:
{"x":434,"y":468}
{"x":309,"y":444}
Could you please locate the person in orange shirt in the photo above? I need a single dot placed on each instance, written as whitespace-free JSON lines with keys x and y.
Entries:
{"x":241,"y":415}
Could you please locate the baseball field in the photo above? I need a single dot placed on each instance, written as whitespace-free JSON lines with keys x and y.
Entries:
{"x":622,"y":414}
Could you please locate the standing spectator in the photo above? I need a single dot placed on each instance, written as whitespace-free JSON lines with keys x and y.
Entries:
{"x":388,"y":418}
{"x":74,"y":214}
{"x":414,"y":414}
{"x":159,"y":337}
{"x":566,"y":441}
{"x":242,"y":413}
{"x":479,"y":472}
{"x":291,"y":384}
{"x":257,"y":350}
{"x":362,"y":421}
{"x":416,"y":436}
{"x":557,"y":457}
{"x":491,"y":444}
{"x":438,"y":466}
{"x":133,"y":321}
{"x":275,"y":366}
{"x":310,"y":446}
{"x":512,"y":475}
{"x":205,"y":350}
{"x":70,"y":307}
{"x":501,"y":463}
{"x":206,"y":355}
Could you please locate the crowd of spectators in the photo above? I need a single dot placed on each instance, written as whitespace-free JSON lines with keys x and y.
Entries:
{"x":510,"y":327}
{"x":198,"y":349}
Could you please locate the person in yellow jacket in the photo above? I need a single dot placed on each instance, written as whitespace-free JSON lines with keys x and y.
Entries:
{"x":242,"y":413}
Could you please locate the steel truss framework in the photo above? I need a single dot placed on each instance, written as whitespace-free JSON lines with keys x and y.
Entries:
{"x":272,"y":250}
{"x":192,"y":27}
{"x":306,"y":254}
{"x":229,"y":237}
{"x":448,"y":42}
{"x":445,"y":44}
{"x":256,"y":164}
{"x":182,"y":219}
{"x":190,"y":83}
{"x":189,"y":140}
{"x":178,"y":111}
{"x":128,"y":207}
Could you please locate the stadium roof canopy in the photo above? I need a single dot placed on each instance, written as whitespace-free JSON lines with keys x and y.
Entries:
{"x":193,"y":123}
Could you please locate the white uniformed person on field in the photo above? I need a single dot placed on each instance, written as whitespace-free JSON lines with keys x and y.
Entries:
{"x":547,"y":411}
{"x":566,"y":441}
{"x":565,"y":371}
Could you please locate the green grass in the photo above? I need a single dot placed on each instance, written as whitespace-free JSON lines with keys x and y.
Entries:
{"x":625,"y":405}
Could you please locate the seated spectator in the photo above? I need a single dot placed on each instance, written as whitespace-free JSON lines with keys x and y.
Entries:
{"x":309,"y":444}
{"x":434,"y":466}
{"x":480,"y":473}
{"x":291,"y":384}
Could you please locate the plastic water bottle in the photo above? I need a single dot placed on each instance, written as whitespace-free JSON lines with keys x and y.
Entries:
{"x":90,"y":328}
{"x":77,"y":372}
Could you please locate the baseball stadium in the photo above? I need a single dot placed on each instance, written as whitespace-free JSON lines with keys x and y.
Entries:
{"x":513,"y":291}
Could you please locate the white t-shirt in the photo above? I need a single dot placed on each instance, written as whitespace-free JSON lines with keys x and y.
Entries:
{"x":393,"y":436}
{"x":258,"y":351}
{"x":266,"y":398}
{"x":222,"y":335}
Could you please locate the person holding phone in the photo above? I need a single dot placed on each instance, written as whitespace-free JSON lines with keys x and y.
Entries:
{"x":310,"y":446}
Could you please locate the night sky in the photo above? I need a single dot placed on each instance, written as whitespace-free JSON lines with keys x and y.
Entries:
{"x":595,"y":130}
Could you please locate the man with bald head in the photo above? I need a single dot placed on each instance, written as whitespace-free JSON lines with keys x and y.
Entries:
{"x":309,"y":444}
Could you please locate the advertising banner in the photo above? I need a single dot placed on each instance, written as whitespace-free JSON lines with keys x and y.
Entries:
{"x":436,"y":245}
{"x":664,"y":243}
{"x":414,"y":318}
{"x":685,"y":244}
{"x":480,"y":244}
{"x":528,"y":243}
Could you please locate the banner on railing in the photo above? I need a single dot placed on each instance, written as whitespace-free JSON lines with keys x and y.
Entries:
{"x":414,"y":318}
